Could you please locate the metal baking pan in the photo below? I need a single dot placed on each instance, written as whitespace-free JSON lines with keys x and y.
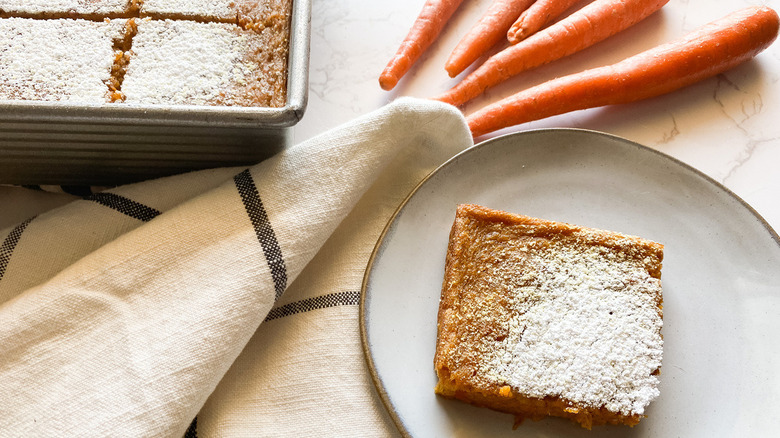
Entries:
{"x":76,"y":144}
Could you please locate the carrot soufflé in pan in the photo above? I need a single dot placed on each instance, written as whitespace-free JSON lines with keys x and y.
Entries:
{"x":147,"y":52}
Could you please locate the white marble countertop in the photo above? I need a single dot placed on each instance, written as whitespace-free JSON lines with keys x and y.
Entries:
{"x":727,"y":127}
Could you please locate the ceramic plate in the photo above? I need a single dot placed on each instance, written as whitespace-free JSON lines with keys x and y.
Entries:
{"x":721,"y":280}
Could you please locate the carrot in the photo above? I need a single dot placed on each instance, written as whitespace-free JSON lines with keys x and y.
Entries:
{"x":538,"y":15}
{"x":591,"y":24}
{"x":423,"y":33}
{"x":708,"y":51}
{"x":490,"y":29}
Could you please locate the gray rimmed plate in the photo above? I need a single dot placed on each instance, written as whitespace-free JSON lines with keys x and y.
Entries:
{"x":721,"y":280}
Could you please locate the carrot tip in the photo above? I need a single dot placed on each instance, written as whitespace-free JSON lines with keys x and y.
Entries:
{"x":514,"y":36}
{"x":442,"y":98}
{"x":452,"y":71}
{"x":387,"y":82}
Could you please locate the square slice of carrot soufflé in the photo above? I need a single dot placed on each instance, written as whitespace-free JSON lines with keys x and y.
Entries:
{"x":188,"y":62}
{"x":248,"y":13}
{"x":58,"y":59}
{"x":540,"y":318}
{"x":43,"y":9}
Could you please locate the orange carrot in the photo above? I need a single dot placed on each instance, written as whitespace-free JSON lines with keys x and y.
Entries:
{"x":538,"y":15}
{"x":490,"y":29}
{"x":591,"y":24}
{"x":423,"y":33}
{"x":708,"y":51}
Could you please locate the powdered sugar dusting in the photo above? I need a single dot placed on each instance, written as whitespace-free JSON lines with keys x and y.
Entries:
{"x":64,"y":6}
{"x":57,"y":60}
{"x":552,"y":312}
{"x":204,"y":8}
{"x":584,"y":326}
{"x":192,"y":63}
{"x":214,"y":9}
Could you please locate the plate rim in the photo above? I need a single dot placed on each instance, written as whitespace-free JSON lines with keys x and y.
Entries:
{"x":375,"y":378}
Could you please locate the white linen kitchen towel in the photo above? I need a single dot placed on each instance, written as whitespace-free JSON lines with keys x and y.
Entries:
{"x":226,"y":296}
